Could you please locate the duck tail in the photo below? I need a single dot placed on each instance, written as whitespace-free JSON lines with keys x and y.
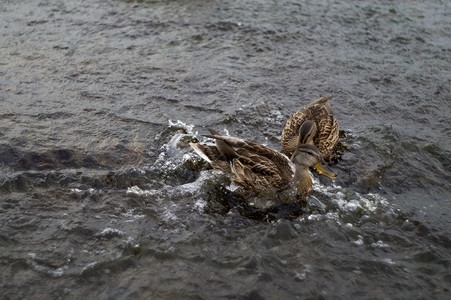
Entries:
{"x":323,"y":99}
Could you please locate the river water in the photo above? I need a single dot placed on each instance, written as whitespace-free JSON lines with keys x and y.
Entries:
{"x":102,"y":198}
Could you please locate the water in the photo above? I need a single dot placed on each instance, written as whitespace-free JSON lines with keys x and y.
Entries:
{"x":101,"y":196}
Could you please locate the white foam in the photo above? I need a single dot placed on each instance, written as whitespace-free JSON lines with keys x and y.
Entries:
{"x":89,"y":266}
{"x":169,"y":215}
{"x":178,"y":123}
{"x":388,"y":261}
{"x":359,"y":241}
{"x":138,"y":191}
{"x":78,"y":191}
{"x":200,"y":205}
{"x":111,"y":231}
{"x":350,"y":201}
{"x":303,"y":275}
{"x":380,"y":244}
{"x":131,"y":217}
{"x":276,"y":117}
{"x":333,"y":216}
{"x":315,"y":217}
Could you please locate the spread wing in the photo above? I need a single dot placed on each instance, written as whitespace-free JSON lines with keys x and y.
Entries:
{"x":253,"y":165}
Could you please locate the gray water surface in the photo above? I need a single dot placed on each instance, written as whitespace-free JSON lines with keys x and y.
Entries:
{"x":101,"y":196}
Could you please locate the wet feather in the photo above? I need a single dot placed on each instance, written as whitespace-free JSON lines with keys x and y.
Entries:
{"x":326,"y":137}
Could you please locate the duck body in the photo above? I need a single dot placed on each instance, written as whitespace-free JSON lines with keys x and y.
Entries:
{"x":324,"y":133}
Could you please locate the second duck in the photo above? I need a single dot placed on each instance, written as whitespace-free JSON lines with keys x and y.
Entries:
{"x":320,"y":129}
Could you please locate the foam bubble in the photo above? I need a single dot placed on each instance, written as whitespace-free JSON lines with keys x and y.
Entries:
{"x":138,"y":191}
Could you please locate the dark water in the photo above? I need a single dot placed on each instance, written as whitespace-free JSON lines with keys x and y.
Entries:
{"x":102,"y":198}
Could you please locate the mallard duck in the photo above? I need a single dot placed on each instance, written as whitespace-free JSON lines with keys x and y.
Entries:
{"x":321,"y":131}
{"x":258,"y":168}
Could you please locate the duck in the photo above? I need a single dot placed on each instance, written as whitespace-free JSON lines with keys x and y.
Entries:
{"x":257,"y":168}
{"x":321,"y":128}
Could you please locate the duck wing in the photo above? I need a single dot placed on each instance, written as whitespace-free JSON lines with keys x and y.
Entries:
{"x":256,"y":165}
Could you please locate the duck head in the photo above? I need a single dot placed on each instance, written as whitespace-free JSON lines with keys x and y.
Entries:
{"x":307,"y":155}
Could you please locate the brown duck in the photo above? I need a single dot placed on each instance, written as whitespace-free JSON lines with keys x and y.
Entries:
{"x":321,"y":130}
{"x":257,"y":167}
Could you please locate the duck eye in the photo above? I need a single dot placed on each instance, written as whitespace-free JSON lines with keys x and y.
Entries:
{"x":311,"y":153}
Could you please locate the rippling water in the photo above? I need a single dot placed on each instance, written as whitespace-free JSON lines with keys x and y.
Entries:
{"x":101,"y":196}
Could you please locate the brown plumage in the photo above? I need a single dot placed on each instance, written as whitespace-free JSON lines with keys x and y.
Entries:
{"x":257,"y":167}
{"x":323,"y":132}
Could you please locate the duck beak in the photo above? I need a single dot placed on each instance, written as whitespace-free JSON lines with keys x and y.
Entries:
{"x":323,"y":169}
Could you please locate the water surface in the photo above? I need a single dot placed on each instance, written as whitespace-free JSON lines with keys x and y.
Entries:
{"x":101,"y":196}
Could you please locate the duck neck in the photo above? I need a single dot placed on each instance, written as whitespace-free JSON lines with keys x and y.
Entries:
{"x":302,"y":180}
